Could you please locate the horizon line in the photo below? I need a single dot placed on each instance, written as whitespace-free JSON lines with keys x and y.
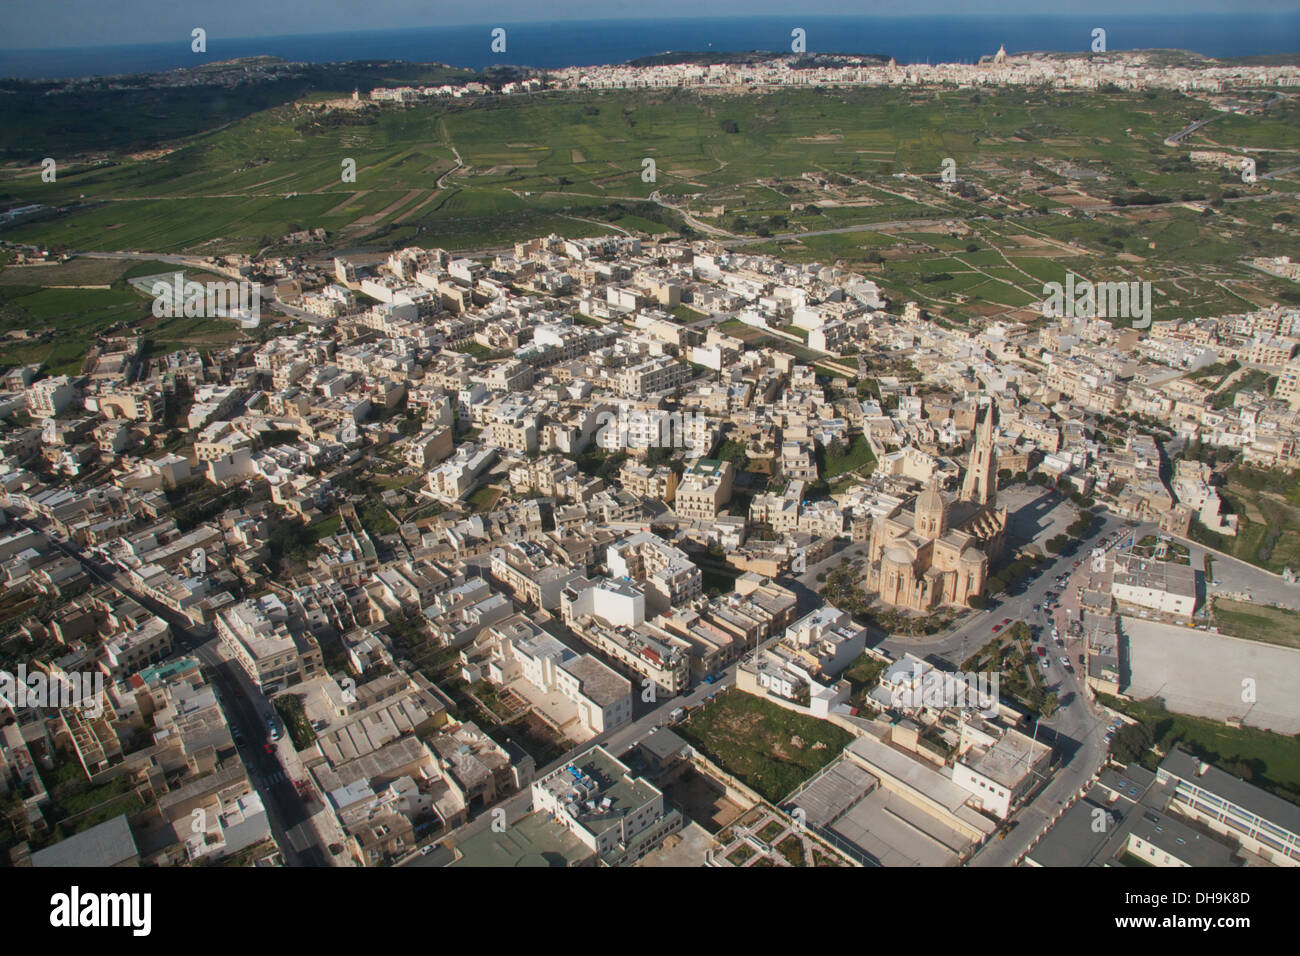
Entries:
{"x":1293,"y":14}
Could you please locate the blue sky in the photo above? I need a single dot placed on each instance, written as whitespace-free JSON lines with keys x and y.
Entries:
{"x":38,"y":24}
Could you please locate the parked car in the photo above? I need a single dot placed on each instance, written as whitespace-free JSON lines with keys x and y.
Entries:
{"x":996,"y":628}
{"x":1042,"y":651}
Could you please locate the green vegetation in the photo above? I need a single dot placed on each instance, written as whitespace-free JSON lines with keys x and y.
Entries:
{"x":684,"y":313}
{"x":769,"y":748}
{"x":836,"y":460}
{"x":1266,"y":759}
{"x":863,"y":674}
{"x":792,"y":849}
{"x":61,"y":310}
{"x":1267,"y":505}
{"x":294,"y":718}
{"x":264,"y":167}
{"x":741,"y":854}
{"x":1252,"y":380}
{"x":483,"y":499}
{"x":76,"y":804}
{"x":94,"y":117}
{"x":375,"y":517}
{"x":770,"y":830}
{"x":1257,"y":622}
{"x":1011,"y":654}
{"x":1212,"y":375}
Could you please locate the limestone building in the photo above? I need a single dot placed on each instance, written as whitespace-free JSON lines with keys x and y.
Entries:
{"x":938,"y":553}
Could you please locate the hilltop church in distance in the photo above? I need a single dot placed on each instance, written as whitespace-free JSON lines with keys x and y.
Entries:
{"x":938,"y":553}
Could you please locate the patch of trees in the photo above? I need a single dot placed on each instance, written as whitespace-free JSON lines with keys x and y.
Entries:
{"x":1140,"y":198}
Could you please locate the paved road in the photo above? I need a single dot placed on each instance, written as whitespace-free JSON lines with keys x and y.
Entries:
{"x":652,"y":715}
{"x":1077,"y":730}
{"x":1235,"y":577}
{"x":245,"y":707}
{"x":861,"y":227}
{"x":975,"y":631}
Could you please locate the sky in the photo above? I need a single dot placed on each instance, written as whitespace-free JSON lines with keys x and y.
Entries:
{"x":42,"y":24}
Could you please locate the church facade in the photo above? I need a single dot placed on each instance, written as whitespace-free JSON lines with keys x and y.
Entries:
{"x":938,"y":552}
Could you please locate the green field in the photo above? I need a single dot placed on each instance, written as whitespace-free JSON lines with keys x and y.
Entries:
{"x":1257,"y":622}
{"x":570,"y":163}
{"x":856,"y":455}
{"x":755,"y":740}
{"x":1267,"y":505}
{"x":52,"y":315}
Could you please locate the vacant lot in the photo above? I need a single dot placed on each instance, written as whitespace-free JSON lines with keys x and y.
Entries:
{"x":855,"y":456}
{"x":1213,"y":675}
{"x":770,"y":749}
{"x":1258,"y":622}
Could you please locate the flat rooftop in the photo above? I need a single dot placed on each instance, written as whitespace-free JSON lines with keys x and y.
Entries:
{"x":1072,"y":840}
{"x":612,"y":782}
{"x":535,"y":840}
{"x":600,"y":683}
{"x":1157,"y":575}
{"x":1009,"y":760}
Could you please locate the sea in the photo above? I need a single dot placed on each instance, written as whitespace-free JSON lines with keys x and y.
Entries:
{"x":551,"y":45}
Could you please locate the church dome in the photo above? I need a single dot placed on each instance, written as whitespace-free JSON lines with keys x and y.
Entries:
{"x":930,"y":501}
{"x":931,"y":512}
{"x":897,"y":554}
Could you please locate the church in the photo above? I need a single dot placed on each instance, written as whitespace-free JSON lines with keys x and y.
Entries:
{"x":939,"y":552}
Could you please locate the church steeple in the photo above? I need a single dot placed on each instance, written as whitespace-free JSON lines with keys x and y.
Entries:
{"x":981,"y":482}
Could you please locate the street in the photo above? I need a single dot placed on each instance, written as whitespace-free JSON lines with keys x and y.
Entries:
{"x":245,"y":707}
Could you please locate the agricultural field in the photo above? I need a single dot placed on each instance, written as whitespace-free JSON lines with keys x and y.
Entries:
{"x":848,"y":175}
{"x":51,"y":315}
